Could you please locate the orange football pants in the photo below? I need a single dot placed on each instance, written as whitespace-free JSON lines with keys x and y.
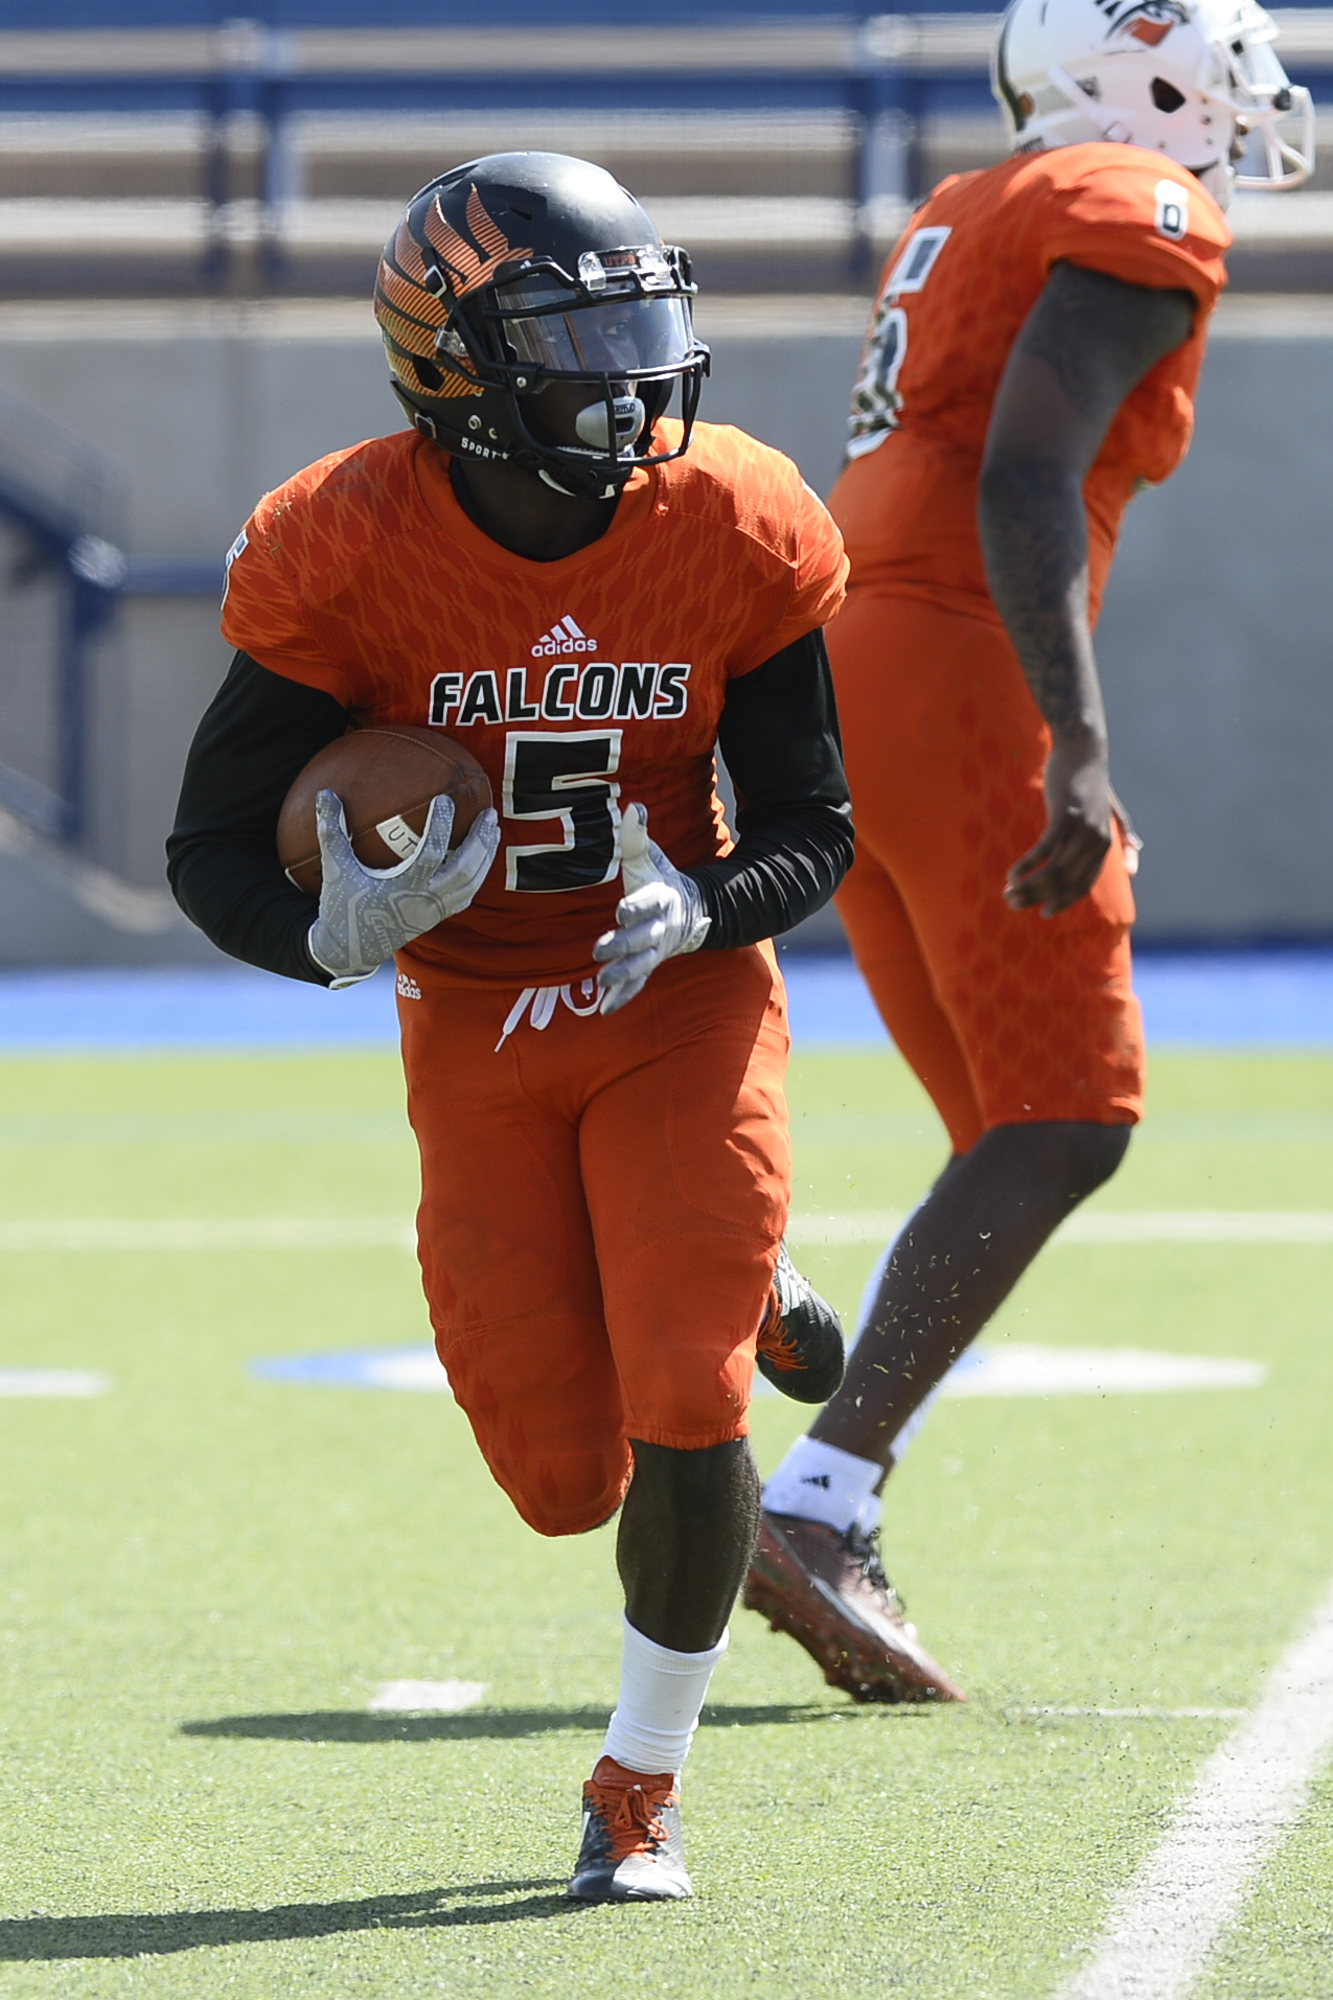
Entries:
{"x":602,"y":1202}
{"x":1007,"y":1018}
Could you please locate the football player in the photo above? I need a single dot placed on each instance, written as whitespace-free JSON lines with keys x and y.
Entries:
{"x":589,"y":595}
{"x":1031,"y":361}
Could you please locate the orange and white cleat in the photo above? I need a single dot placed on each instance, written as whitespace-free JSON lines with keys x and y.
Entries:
{"x":632,"y":1849}
{"x":829,"y":1591}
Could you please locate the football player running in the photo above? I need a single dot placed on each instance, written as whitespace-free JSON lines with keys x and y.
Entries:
{"x":1030,"y":362}
{"x":589,"y":595}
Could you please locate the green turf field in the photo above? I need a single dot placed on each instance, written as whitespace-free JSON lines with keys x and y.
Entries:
{"x":206,"y":1576}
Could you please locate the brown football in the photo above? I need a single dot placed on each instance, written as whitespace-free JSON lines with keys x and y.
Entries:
{"x":386,"y":776}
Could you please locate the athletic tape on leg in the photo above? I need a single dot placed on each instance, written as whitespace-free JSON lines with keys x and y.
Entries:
{"x":661,"y":1696}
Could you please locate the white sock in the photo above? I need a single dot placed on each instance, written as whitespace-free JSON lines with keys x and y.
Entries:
{"x":661,"y":1695}
{"x":818,"y":1482}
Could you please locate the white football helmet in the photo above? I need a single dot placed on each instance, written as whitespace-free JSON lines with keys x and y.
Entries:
{"x":1192,"y":79}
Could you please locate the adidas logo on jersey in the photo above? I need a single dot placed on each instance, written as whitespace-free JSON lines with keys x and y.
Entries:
{"x":564,"y":637}
{"x":407,"y":987}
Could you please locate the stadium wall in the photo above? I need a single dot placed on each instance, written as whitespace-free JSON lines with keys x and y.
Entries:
{"x":1215,"y":640}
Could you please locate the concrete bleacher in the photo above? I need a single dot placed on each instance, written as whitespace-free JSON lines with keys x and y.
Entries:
{"x":148,"y":149}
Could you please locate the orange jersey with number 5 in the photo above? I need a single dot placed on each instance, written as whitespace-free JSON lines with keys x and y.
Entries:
{"x":954,"y":294}
{"x":578,"y":684}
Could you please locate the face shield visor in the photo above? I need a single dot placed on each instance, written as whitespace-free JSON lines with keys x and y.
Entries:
{"x":628,"y":338}
{"x":1273,"y":117}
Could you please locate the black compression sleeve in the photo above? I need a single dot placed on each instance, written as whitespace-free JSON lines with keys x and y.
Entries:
{"x":222,"y":855}
{"x":778,"y":734}
{"x":779,"y":737}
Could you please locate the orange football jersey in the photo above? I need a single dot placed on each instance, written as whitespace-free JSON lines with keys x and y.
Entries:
{"x":954,"y":294}
{"x":578,"y":684}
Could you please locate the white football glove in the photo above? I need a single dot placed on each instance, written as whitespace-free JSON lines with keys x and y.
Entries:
{"x":660,"y":915}
{"x":367,"y":914}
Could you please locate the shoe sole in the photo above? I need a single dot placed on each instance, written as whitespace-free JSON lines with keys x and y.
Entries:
{"x":627,"y":1896}
{"x":850,"y":1653}
{"x":801,"y":1384}
{"x":819,"y":1372}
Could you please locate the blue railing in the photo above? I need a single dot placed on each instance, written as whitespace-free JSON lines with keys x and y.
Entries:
{"x":62,"y":498}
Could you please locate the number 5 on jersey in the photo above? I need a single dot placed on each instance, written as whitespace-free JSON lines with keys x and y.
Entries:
{"x":569,"y":778}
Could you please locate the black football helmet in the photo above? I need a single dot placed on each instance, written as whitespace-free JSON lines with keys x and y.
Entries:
{"x":522,"y":269}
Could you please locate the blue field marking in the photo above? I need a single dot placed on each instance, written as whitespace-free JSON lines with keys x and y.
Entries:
{"x":189,"y":1007}
{"x":415,"y":1368}
{"x":1004,"y":1368}
{"x":1220,"y":999}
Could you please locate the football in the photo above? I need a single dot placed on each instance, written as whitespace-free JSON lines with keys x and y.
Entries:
{"x":386,"y":776}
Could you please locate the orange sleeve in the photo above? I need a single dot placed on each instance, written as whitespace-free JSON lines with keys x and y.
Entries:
{"x":263,"y":613}
{"x":1142,"y":219}
{"x":811,"y":585}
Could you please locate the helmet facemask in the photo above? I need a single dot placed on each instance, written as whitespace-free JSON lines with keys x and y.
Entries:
{"x":1244,"y":78}
{"x":621,"y":325}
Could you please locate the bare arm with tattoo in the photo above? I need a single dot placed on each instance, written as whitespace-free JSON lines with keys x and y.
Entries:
{"x":1087,"y":342}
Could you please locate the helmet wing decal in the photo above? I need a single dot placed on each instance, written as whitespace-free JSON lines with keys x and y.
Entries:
{"x":486,"y":231}
{"x":1147,"y":21}
{"x":468,"y":268}
{"x":413,"y":301}
{"x":406,"y":252}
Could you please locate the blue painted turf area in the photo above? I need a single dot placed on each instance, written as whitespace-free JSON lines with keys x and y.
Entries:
{"x":1210,"y":998}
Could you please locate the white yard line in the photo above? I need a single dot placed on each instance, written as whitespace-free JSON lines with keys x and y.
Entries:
{"x":1161,"y":1225}
{"x":240,"y":1233}
{"x":1184,"y":1225}
{"x":1166,"y":1923}
{"x":1143,"y":1714}
{"x":52,"y":1382}
{"x":426,"y":1697}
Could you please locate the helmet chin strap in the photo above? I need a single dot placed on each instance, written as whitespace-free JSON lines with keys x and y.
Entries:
{"x":549,"y":479}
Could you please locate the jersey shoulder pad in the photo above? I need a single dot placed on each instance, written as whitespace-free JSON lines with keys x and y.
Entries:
{"x":731,"y":472}
{"x":1130,"y":213}
{"x":331,"y":511}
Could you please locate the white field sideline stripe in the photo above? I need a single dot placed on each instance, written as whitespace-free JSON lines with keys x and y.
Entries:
{"x":1164,"y":1225}
{"x":1184,"y":1225}
{"x":243,"y":1233}
{"x":1165,"y":1924}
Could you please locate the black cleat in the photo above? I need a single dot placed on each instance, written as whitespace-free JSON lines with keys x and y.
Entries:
{"x":800,"y":1349}
{"x":632,"y":1849}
